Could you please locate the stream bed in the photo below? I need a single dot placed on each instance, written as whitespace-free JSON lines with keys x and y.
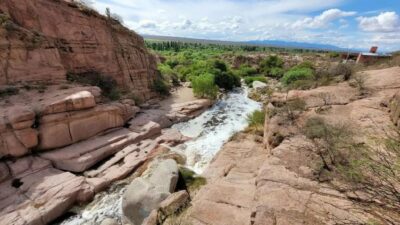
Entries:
{"x":209,"y":131}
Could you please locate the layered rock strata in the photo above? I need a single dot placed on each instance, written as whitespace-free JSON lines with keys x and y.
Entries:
{"x":42,"y":41}
{"x":72,"y":131}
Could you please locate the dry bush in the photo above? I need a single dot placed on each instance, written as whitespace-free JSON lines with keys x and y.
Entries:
{"x":331,"y":141}
{"x":373,"y":169}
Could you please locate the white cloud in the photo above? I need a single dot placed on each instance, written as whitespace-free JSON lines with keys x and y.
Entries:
{"x":185,"y":24}
{"x":384,"y":22}
{"x":387,"y":38}
{"x":147,"y":24}
{"x":323,"y":20}
{"x":236,"y":20}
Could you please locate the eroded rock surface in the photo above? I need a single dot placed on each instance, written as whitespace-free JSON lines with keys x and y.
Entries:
{"x":36,"y":193}
{"x":75,"y":39}
{"x":73,"y":130}
{"x":276,"y":182}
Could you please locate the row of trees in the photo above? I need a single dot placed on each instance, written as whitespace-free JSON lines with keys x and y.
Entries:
{"x":178,"y":46}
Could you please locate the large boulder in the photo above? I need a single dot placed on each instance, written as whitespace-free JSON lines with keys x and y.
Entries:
{"x":146,"y":193}
{"x":163,"y":175}
{"x":140,"y":198}
{"x":259,"y":86}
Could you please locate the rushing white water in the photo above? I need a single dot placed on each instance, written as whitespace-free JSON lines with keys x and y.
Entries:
{"x":214,"y":127}
{"x":209,"y":132}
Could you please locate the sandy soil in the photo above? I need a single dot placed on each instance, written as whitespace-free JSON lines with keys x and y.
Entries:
{"x":180,"y":95}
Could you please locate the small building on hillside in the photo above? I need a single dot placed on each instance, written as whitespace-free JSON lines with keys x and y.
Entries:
{"x":366,"y":57}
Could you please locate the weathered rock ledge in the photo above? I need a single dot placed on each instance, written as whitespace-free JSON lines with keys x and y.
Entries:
{"x":250,"y":182}
{"x":45,"y":139}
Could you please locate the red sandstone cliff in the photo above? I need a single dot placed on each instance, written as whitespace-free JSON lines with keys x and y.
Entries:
{"x":42,"y":40}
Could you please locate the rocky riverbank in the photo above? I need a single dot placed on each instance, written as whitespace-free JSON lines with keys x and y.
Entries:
{"x":71,"y":145}
{"x":280,"y":180}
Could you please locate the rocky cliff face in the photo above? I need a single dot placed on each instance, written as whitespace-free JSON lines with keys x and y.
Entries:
{"x":43,"y":40}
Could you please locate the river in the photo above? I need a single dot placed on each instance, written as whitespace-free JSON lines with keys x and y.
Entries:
{"x":209,"y":131}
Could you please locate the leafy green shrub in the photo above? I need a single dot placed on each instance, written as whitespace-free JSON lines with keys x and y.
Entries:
{"x":106,"y":83}
{"x":297,"y":74}
{"x":172,"y":63}
{"x":256,"y":119}
{"x":245,"y":71}
{"x":204,"y":86}
{"x":272,"y":61}
{"x":305,"y":64}
{"x":161,"y":87}
{"x":227,"y":80}
{"x":219,"y":65}
{"x":169,"y":74}
{"x":276,"y":72}
{"x":249,"y":80}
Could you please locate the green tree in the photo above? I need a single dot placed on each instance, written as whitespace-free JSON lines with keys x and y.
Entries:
{"x":204,"y":86}
{"x":227,"y":80}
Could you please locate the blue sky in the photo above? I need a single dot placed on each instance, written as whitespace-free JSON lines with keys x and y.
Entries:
{"x":344,"y":23}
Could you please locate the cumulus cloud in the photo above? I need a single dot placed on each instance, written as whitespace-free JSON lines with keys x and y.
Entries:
{"x":147,"y":24}
{"x":384,"y":22}
{"x":185,"y":24}
{"x":323,"y":20}
{"x":235,"y":20}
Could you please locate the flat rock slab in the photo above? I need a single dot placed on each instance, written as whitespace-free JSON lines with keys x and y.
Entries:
{"x":81,"y":156}
{"x":70,"y":101}
{"x":228,"y":196}
{"x":62,"y":129}
{"x":36,"y":193}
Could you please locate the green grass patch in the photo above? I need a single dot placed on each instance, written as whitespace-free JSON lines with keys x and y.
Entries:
{"x":249,"y":80}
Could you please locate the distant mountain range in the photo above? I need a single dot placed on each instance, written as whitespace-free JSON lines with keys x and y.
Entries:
{"x":268,"y":43}
{"x":302,"y":45}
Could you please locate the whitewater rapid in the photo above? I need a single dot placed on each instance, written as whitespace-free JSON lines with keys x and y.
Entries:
{"x":209,"y":132}
{"x":214,"y":127}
